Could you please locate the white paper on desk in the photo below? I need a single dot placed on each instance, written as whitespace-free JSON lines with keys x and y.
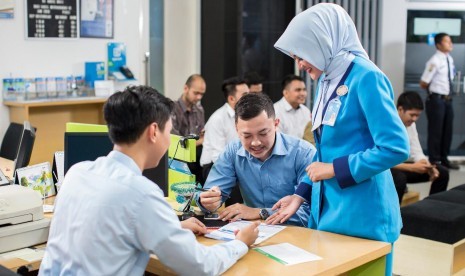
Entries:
{"x":16,"y":253}
{"x":38,"y":254}
{"x":226,"y":233}
{"x":287,"y":253}
{"x":48,"y":208}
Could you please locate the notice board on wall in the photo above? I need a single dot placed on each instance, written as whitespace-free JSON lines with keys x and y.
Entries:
{"x":52,"y":19}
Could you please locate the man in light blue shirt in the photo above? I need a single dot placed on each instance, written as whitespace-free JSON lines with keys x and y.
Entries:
{"x":109,"y":218}
{"x":266,"y":164}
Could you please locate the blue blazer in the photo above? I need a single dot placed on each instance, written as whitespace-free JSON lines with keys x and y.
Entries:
{"x":367,"y":139}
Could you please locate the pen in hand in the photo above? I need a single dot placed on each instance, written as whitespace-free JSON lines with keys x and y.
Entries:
{"x":206,"y":190}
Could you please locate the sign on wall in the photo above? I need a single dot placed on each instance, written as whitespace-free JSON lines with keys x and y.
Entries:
{"x":52,"y":19}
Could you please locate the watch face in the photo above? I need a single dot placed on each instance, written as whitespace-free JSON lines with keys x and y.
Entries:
{"x":264,"y":214}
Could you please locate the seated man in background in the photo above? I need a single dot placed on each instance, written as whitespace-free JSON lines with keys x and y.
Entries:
{"x":220,"y":128}
{"x":292,"y":114}
{"x":266,"y":165}
{"x":254,"y":82}
{"x":417,"y":168}
{"x":109,"y":218}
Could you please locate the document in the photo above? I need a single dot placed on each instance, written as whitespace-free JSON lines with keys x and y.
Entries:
{"x":226,"y":233}
{"x":287,"y":254}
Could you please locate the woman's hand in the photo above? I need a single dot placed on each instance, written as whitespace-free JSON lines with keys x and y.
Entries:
{"x":286,"y":206}
{"x":318,"y":171}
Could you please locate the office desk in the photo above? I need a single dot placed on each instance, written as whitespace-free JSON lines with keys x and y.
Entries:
{"x":7,"y":167}
{"x":341,"y":255}
{"x":50,"y":117}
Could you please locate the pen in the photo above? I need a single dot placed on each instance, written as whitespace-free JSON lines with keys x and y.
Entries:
{"x":206,"y":190}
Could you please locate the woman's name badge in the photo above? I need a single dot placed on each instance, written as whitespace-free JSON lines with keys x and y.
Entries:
{"x":342,"y":90}
{"x":331,"y":112}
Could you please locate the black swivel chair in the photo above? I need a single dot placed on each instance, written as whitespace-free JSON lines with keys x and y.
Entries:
{"x":11,"y":140}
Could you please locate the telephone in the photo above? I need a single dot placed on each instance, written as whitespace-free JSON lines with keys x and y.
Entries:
{"x":126,"y":72}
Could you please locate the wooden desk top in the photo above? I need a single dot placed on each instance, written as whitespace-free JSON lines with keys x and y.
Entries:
{"x":7,"y":167}
{"x":58,"y":101}
{"x":340,"y":254}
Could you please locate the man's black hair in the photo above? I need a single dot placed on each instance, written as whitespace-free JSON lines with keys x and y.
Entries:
{"x":290,"y":78}
{"x":252,"y":78}
{"x":229,"y":86}
{"x":438,"y":38}
{"x":410,"y":100}
{"x":251,"y":105}
{"x":128,"y":113}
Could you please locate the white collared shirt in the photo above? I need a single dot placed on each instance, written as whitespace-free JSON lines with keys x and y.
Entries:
{"x":436,"y":73}
{"x":109,"y":218}
{"x":327,"y":86}
{"x":219,"y":131}
{"x":416,"y":152}
{"x":292,"y":121}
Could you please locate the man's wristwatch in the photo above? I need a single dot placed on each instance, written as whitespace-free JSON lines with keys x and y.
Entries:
{"x":264,"y":214}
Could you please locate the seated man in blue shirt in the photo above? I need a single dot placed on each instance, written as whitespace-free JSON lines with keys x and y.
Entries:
{"x":109,"y":218}
{"x":266,"y":164}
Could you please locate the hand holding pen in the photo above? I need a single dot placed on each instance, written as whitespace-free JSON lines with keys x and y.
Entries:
{"x":211,"y":199}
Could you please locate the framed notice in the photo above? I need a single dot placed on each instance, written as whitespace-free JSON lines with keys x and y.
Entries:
{"x":52,"y":19}
{"x":97,"y":18}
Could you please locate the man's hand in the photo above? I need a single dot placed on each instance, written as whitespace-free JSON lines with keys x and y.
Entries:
{"x":194,"y":225}
{"x":249,"y":234}
{"x":433,"y":173}
{"x":318,"y":171}
{"x":286,"y":206}
{"x":239,"y":211}
{"x":421,"y":167}
{"x":211,"y":200}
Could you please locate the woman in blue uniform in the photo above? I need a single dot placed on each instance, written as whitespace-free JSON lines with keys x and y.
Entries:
{"x":358,"y":133}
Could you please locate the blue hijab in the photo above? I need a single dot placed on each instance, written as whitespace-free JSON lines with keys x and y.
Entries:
{"x":322,"y":35}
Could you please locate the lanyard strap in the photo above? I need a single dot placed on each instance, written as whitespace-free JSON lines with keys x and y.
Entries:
{"x":319,"y":131}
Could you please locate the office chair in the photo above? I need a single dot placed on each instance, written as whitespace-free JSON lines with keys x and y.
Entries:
{"x":11,"y":140}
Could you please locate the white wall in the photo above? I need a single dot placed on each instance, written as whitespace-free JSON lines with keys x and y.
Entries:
{"x":181,"y":43}
{"x":41,"y":58}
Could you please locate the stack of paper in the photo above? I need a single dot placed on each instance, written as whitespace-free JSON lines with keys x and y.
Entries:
{"x":226,"y":233}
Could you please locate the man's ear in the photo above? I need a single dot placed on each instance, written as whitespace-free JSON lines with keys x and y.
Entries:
{"x":276,"y":122}
{"x":153,"y":132}
{"x":185,"y":88}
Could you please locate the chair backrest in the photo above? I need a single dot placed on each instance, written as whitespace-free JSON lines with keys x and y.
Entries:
{"x":11,"y":140}
{"x":25,"y":146}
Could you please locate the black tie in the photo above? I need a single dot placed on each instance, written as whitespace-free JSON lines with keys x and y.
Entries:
{"x":448,"y":76}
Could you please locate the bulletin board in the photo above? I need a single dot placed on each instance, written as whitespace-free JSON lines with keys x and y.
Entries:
{"x":52,"y":19}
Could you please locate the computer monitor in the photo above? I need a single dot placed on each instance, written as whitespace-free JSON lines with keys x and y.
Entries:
{"x":84,"y":146}
{"x":25,"y":146}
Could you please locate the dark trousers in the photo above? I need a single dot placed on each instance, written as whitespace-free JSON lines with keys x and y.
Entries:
{"x":195,"y":167}
{"x":401,"y":178}
{"x":440,"y":118}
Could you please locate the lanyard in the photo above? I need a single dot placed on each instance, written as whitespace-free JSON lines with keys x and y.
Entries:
{"x":319,"y":131}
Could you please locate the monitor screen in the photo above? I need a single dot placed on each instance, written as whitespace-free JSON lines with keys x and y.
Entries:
{"x":88,"y":146}
{"x":25,"y":146}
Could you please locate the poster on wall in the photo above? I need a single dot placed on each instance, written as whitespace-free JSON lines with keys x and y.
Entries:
{"x":52,"y":19}
{"x":7,"y":9}
{"x":97,"y":18}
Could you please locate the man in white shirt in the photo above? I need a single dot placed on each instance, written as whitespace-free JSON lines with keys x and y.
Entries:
{"x":109,"y":218}
{"x":221,"y":128}
{"x":292,"y":114}
{"x":437,"y":80}
{"x":417,"y":168}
